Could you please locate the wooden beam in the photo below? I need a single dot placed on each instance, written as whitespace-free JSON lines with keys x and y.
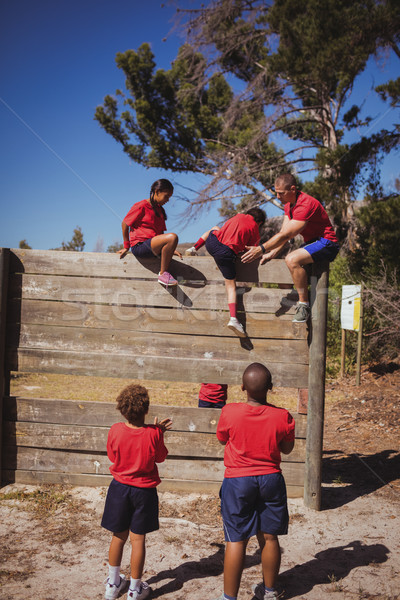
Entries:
{"x":316,"y":386}
{"x":4,"y":375}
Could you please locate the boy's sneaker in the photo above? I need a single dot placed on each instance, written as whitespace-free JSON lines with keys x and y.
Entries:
{"x":260,"y":592}
{"x":302,"y":314}
{"x":115,"y":591}
{"x":167,"y":279}
{"x":143,"y":592}
{"x":236,"y":327}
{"x":191,"y":251}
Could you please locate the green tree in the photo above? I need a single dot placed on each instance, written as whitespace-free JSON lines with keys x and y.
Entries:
{"x":114,"y":247}
{"x":76,"y":243}
{"x":24,"y":245}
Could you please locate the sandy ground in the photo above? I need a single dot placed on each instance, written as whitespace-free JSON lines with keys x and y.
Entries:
{"x":53,"y":548}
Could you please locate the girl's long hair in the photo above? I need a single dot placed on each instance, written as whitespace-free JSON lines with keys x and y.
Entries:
{"x":161,"y":185}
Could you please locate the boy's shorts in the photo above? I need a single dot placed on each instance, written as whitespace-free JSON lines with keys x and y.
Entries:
{"x":129,"y":507}
{"x":322,"y":249}
{"x":206,"y":404}
{"x":252,"y":504}
{"x":143,"y":249}
{"x":223,"y":256}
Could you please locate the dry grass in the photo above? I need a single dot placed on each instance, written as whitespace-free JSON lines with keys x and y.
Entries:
{"x":106,"y":389}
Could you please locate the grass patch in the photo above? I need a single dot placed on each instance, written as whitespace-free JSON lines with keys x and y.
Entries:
{"x":44,"y":501}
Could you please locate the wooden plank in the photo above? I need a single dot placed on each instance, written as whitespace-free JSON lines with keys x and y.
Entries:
{"x":4,"y":377}
{"x":80,"y":339}
{"x":162,"y":320}
{"x":94,"y":439}
{"x":166,"y":485}
{"x":104,"y":414}
{"x":138,"y":293}
{"x":164,"y":368}
{"x":91,"y":264}
{"x":38,"y":459}
{"x":316,"y":385}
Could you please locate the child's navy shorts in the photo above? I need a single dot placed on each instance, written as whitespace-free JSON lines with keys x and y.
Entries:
{"x":223,"y":256}
{"x":143,"y":249}
{"x":206,"y":404}
{"x":322,"y":249}
{"x":252,"y":504}
{"x":129,"y":507}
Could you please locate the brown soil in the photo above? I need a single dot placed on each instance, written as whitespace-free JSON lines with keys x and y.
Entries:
{"x":52,"y":547}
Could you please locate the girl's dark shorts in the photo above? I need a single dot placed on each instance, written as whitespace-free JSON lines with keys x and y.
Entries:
{"x":252,"y":504}
{"x":223,"y":256}
{"x":143,"y":249}
{"x":129,"y":507}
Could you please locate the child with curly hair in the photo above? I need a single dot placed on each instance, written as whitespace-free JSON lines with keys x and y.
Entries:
{"x":131,"y":508}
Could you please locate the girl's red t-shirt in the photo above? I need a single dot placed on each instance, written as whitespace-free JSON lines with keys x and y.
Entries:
{"x":134,"y":454}
{"x":144,"y":222}
{"x":252,"y":435}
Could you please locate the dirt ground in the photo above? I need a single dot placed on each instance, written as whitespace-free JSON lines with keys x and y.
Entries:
{"x":52,"y":547}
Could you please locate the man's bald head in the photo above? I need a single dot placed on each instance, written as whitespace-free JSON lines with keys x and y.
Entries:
{"x":257,"y":381}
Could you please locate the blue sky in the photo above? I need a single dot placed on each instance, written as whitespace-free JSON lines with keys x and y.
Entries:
{"x":58,"y":168}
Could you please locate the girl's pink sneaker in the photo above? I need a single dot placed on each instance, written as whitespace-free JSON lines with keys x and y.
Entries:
{"x":167,"y":279}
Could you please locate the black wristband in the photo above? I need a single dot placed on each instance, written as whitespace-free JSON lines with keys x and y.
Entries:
{"x":263,"y":250}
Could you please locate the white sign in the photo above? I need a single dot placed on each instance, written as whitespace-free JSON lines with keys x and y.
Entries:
{"x":350,"y":312}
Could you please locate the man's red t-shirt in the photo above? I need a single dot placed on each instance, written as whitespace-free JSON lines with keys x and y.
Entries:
{"x":252,"y":435}
{"x":213,"y":392}
{"x":134,"y":454}
{"x":238,"y":232}
{"x":143,"y":222}
{"x":311,"y":210}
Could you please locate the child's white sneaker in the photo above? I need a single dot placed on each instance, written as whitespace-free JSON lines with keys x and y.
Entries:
{"x":236,"y":327}
{"x":115,"y":591}
{"x":261,"y":593}
{"x":191,"y":251}
{"x":143,"y":592}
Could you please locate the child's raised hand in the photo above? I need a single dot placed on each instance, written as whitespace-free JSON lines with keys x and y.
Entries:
{"x":164,"y":424}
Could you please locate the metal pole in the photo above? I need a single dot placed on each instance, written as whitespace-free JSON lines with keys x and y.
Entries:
{"x":359,"y":339}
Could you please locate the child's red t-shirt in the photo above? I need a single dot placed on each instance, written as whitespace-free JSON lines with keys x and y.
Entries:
{"x":252,"y":435}
{"x":143,"y":222}
{"x":238,"y":232}
{"x":213,"y":392}
{"x":311,"y":210}
{"x":134,"y":454}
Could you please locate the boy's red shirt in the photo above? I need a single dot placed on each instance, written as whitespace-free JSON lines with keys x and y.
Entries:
{"x":311,"y":210}
{"x":143,"y":222}
{"x":238,"y":232}
{"x":213,"y":392}
{"x":252,"y":435}
{"x":134,"y":454}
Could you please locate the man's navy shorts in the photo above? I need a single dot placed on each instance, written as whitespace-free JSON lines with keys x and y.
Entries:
{"x":322,"y":249}
{"x":252,"y":504}
{"x":223,"y":256}
{"x":129,"y":507}
{"x":143,"y":249}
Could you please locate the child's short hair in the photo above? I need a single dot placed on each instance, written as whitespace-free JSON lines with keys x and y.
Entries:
{"x":133,"y":402}
{"x":258,"y":214}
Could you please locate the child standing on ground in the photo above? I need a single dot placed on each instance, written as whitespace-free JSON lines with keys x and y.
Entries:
{"x":213,"y":395}
{"x":253,"y":493}
{"x":131,"y":508}
{"x":224,"y":245}
{"x":143,"y":230}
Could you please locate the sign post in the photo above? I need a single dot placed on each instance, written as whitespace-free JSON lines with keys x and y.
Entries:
{"x":351,"y":317}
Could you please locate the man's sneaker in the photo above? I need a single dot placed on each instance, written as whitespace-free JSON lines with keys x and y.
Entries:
{"x":260,"y":592}
{"x":114,"y":590}
{"x":302,"y":314}
{"x":143,"y":592}
{"x":191,"y":251}
{"x":236,"y":327}
{"x":167,"y":279}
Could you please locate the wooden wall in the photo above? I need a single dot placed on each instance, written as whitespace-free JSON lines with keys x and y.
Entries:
{"x":93,"y":314}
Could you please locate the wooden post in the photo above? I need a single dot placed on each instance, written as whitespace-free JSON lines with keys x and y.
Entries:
{"x":316,"y":386}
{"x":4,"y":262}
{"x":343,"y":354}
{"x":359,"y":338}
